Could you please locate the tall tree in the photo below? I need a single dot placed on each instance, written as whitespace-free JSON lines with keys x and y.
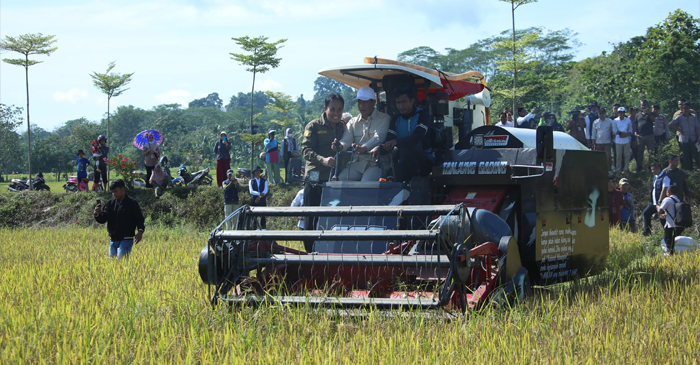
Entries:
{"x":210,"y":101}
{"x":28,"y":44}
{"x":522,"y":61}
{"x":111,"y":84}
{"x":514,"y":4}
{"x":261,"y":58}
{"x":283,"y":105}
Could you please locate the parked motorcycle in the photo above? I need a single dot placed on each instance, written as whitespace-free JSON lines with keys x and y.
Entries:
{"x":73,"y":185}
{"x":184,"y":178}
{"x":39,"y":183}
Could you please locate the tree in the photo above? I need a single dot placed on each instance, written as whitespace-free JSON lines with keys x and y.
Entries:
{"x":261,"y":58}
{"x":666,"y":65}
{"x":111,"y":84}
{"x":283,"y":105}
{"x":521,"y":61}
{"x":28,"y":44}
{"x":514,"y":4}
{"x":211,"y":101}
{"x":9,"y":139}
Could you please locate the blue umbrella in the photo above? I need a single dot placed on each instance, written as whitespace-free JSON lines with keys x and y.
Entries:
{"x":142,"y":138}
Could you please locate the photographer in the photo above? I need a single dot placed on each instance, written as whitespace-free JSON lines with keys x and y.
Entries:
{"x":123,"y":217}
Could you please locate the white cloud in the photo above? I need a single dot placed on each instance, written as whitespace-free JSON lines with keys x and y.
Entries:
{"x":269,"y":84}
{"x":182,"y":97}
{"x":72,"y":96}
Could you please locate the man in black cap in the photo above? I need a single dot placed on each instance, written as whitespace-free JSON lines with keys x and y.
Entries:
{"x":590,"y":120}
{"x":258,"y":193}
{"x":689,"y":138}
{"x":123,"y":217}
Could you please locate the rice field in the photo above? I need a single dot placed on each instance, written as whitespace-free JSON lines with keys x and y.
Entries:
{"x":64,"y":301}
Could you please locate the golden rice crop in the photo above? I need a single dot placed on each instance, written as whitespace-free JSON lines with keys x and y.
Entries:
{"x":64,"y":301}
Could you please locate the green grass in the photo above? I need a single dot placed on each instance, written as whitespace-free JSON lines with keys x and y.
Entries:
{"x":64,"y":301}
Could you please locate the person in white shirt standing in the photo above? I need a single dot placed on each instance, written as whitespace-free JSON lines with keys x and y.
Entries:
{"x":299,"y":202}
{"x":602,"y":135}
{"x":364,"y":132}
{"x":523,"y":118}
{"x":258,"y":193}
{"x":622,"y":129}
{"x":667,"y":210}
{"x":503,"y":121}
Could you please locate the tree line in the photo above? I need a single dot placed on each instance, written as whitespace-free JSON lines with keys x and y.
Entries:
{"x":660,"y":66}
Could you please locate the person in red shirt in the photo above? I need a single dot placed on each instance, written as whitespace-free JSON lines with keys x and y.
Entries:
{"x":615,"y":201}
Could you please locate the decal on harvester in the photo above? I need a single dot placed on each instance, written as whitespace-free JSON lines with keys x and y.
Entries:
{"x":557,"y":245}
{"x":491,"y":140}
{"x":473,"y":168}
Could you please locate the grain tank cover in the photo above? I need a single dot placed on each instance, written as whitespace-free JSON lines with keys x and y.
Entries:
{"x":504,"y":137}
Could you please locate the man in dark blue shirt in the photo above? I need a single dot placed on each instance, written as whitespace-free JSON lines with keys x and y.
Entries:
{"x":409,"y":132}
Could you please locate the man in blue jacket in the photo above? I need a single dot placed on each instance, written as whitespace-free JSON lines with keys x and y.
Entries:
{"x":409,"y":132}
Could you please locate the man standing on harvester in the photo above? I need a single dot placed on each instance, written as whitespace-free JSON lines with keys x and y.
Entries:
{"x":409,"y":133}
{"x":363,"y":133}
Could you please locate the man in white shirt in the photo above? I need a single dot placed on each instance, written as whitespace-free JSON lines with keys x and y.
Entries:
{"x":590,"y":121}
{"x":667,"y":210}
{"x":503,"y":121}
{"x":622,"y":129}
{"x":258,"y":192}
{"x":659,"y":187}
{"x":523,"y":118}
{"x":364,"y":132}
{"x":602,"y":135}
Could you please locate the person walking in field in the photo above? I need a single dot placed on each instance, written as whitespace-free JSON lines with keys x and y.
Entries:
{"x":231,"y":204}
{"x":223,"y":158}
{"x":125,"y":222}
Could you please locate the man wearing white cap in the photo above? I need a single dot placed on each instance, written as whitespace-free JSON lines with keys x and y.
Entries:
{"x":622,"y":130}
{"x":364,"y":132}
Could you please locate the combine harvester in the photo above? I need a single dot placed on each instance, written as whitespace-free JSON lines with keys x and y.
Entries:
{"x":503,"y":209}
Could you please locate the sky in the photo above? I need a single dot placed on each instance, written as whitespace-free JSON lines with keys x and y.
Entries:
{"x":179,"y":51}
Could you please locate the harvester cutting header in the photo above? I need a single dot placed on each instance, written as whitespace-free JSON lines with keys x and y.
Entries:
{"x":500,"y":209}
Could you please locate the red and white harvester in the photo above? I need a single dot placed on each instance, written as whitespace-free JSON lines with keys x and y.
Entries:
{"x":503,"y":209}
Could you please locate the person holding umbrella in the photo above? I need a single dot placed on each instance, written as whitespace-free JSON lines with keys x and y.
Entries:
{"x":151,"y":154}
{"x":258,"y":192}
{"x":223,"y":158}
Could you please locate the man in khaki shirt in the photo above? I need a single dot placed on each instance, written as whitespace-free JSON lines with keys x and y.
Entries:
{"x":364,"y":132}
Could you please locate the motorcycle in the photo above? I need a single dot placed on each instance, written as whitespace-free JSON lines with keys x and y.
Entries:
{"x":200,"y":177}
{"x":39,"y":183}
{"x":73,"y":185}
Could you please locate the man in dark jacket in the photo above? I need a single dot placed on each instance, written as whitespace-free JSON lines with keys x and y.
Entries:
{"x":123,"y":217}
{"x":677,"y":176}
{"x":409,"y":132}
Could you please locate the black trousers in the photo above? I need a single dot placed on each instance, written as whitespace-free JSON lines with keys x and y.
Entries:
{"x":149,"y":172}
{"x":312,"y":198}
{"x":648,"y":214}
{"x":287,"y":158}
{"x":413,"y":162}
{"x":670,"y":235}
